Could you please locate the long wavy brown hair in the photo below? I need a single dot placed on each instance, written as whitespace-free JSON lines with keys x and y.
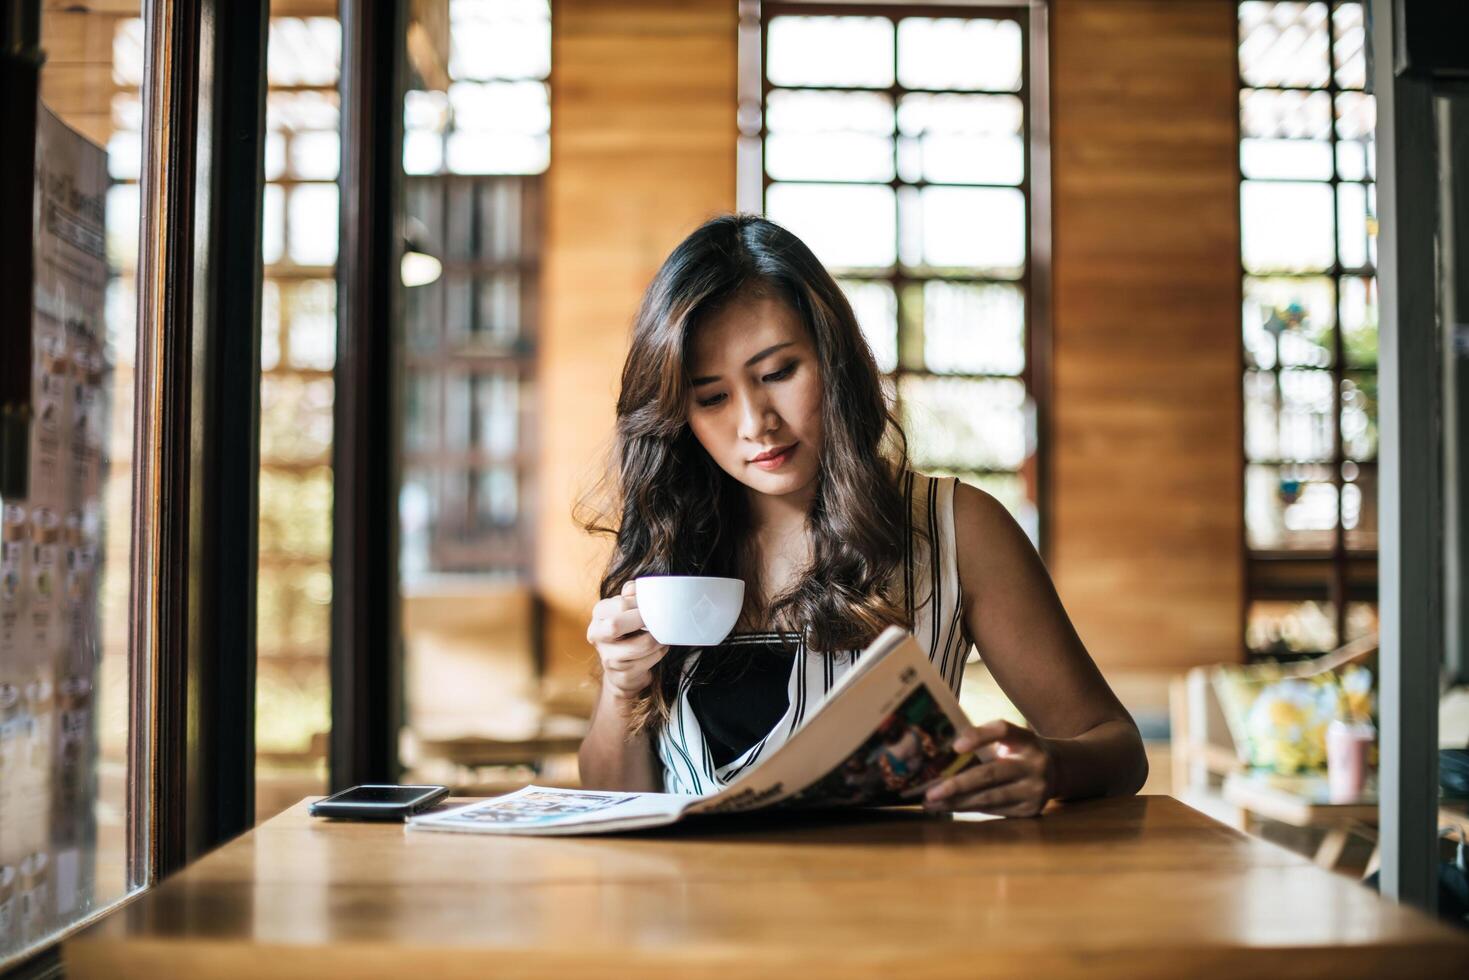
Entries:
{"x":673,"y":511}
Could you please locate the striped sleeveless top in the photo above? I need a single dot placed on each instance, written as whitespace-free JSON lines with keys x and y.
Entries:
{"x":930,"y":590}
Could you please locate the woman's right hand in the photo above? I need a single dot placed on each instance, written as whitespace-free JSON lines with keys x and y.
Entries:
{"x":627,"y":649}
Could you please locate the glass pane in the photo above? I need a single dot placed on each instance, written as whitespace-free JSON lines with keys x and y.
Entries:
{"x":1283,"y":44}
{"x":309,"y":316}
{"x":1288,"y":321}
{"x":950,"y":53}
{"x":293,"y":699}
{"x":311,"y":215}
{"x":1289,"y":417}
{"x":1290,"y":507}
{"x":498,"y":321}
{"x":876,"y":307}
{"x":422,"y":391}
{"x":497,"y":414}
{"x":1285,"y":159}
{"x":829,"y":135}
{"x":122,"y":222}
{"x":296,"y":420}
{"x":973,"y":329}
{"x":500,"y":39}
{"x":962,"y":423}
{"x":961,"y":138}
{"x":1285,"y":115}
{"x":273,"y":230}
{"x":315,"y":156}
{"x":842,"y":52}
{"x":1359,"y":506}
{"x":424,"y":316}
{"x":1359,"y":415}
{"x":847,"y":227}
{"x":1287,"y":227}
{"x":304,"y":51}
{"x":1277,"y":628}
{"x":1359,"y":321}
{"x":1349,"y":46}
{"x":497,"y":498}
{"x":295,"y":514}
{"x":1351,"y":160}
{"x":501,"y":107}
{"x":497,"y":153}
{"x":1356,"y":124}
{"x":302,"y":112}
{"x":65,"y":539}
{"x":964,"y":228}
{"x":500,"y":127}
{"x":1357,"y":225}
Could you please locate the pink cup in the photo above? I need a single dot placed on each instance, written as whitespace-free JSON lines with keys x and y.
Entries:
{"x":1347,"y":745}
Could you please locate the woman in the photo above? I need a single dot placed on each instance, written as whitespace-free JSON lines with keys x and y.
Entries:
{"x":754,"y":441}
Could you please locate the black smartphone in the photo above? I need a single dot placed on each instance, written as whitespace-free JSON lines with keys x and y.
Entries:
{"x":378,"y":802}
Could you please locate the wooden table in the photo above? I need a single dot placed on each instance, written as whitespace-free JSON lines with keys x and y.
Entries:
{"x":1140,"y":887}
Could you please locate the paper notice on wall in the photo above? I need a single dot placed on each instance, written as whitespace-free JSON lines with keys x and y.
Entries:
{"x":70,"y":305}
{"x":50,"y":544}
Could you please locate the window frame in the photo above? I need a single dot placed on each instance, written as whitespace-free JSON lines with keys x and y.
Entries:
{"x":1338,"y":575}
{"x":754,"y":182}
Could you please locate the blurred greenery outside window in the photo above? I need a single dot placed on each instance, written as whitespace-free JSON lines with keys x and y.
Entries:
{"x":1309,"y":253}
{"x":298,"y":354}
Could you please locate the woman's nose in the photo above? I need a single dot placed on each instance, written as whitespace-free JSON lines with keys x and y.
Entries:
{"x":757,"y":417}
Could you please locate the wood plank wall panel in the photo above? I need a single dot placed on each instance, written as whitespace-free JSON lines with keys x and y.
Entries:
{"x":1146,"y":515}
{"x":642,"y":151}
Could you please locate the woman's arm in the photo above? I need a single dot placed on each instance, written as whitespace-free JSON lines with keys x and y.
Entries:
{"x":612,"y":759}
{"x":1084,"y":742}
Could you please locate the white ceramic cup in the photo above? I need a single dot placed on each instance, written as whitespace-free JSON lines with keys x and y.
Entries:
{"x":690,"y":610}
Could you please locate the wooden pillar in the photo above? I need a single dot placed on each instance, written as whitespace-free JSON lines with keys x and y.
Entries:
{"x":642,"y":151}
{"x":1146,"y":531}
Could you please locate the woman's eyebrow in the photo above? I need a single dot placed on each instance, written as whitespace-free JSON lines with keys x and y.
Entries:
{"x":697,"y":382}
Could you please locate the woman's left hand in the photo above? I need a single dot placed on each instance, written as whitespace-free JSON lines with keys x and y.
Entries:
{"x":1014,"y":778}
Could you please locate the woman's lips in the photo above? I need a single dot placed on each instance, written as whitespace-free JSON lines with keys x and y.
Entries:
{"x":777,"y":461}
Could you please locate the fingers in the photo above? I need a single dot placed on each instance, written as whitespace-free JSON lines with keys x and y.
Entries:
{"x":635,"y":657}
{"x":1009,"y":787}
{"x":987,"y":734}
{"x":975,"y":779}
{"x":610,"y":624}
{"x":1023,"y":798}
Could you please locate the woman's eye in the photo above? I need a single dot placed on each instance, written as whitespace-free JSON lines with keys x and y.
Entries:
{"x":710,"y":402}
{"x":782,"y":374}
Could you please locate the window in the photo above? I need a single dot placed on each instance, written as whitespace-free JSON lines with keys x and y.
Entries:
{"x":474,"y":156}
{"x":897,"y":145}
{"x":298,"y":331}
{"x":1309,"y":251}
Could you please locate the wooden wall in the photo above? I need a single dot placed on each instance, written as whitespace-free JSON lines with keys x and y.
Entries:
{"x":642,"y":151}
{"x":1146,"y":515}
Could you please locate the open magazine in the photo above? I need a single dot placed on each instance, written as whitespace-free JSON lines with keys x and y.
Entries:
{"x":882,"y":735}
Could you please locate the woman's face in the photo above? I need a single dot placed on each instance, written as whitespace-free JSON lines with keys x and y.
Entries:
{"x":755,"y":396}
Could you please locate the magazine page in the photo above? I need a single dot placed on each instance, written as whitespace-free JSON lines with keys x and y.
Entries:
{"x":540,"y":810}
{"x":882,"y":735}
